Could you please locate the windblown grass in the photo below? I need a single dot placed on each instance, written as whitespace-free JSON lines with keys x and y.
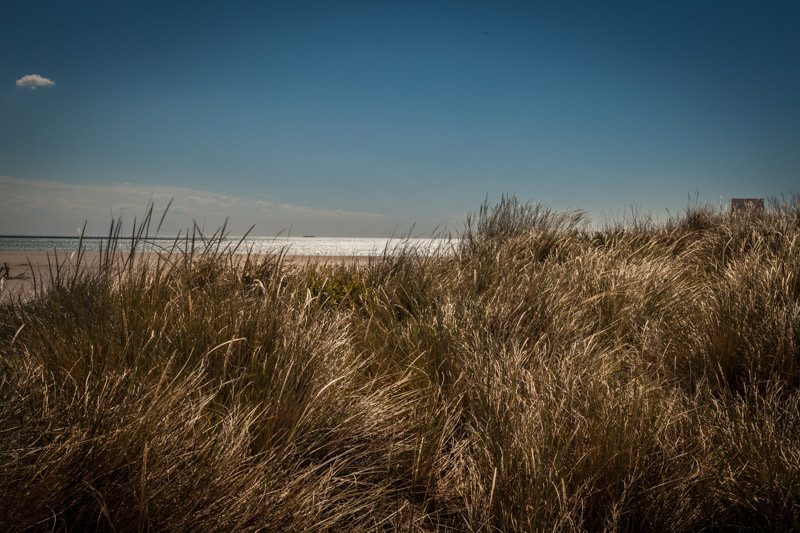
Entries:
{"x":542,"y":377}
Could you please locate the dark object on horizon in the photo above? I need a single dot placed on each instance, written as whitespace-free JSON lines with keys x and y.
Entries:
{"x":308,"y":236}
{"x":747,"y":204}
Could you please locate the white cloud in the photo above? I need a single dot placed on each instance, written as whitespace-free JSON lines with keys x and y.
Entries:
{"x":47,"y":207}
{"x":32,"y":81}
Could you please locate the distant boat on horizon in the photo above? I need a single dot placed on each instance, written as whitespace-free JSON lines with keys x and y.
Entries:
{"x":308,"y":236}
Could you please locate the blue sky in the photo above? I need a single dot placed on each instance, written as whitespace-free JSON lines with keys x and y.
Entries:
{"x":365,"y":118}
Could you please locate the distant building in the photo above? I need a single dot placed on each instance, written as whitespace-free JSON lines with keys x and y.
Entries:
{"x":739,"y":205}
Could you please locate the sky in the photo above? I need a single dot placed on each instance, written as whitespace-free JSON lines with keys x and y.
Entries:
{"x":370,"y":118}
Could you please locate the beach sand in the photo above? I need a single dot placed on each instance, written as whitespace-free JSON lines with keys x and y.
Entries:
{"x":26,"y":267}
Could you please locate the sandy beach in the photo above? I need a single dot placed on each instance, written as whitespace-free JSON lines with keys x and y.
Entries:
{"x":19,"y":269}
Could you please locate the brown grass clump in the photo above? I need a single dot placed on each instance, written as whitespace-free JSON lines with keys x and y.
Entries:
{"x":543,"y":376}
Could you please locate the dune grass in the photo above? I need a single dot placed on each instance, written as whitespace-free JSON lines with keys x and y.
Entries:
{"x":543,"y":376}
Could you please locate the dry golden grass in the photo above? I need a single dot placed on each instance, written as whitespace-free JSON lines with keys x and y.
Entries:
{"x":542,"y":377}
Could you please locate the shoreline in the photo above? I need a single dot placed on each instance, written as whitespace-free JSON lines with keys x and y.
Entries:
{"x":18,"y":268}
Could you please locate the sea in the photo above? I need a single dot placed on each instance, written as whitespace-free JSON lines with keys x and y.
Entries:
{"x":307,"y":245}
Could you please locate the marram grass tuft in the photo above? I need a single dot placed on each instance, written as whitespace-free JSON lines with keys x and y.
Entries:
{"x":543,"y":376}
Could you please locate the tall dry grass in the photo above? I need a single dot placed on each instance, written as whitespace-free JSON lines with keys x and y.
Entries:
{"x":544,"y":376}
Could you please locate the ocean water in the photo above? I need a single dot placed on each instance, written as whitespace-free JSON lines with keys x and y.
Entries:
{"x":343,"y":246}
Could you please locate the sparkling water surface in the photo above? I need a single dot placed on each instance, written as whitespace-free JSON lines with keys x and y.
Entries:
{"x":329,"y":246}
